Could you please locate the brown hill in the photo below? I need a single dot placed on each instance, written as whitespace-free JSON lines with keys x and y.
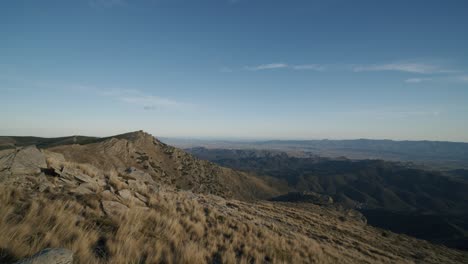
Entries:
{"x":166,"y":165}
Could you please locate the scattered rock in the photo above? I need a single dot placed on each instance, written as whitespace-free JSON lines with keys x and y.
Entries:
{"x":101,"y":182}
{"x":85,"y":188}
{"x":113,"y":208}
{"x":141,"y":197}
{"x":50,"y":256}
{"x":108,"y":195}
{"x":69,"y":172}
{"x":72,"y":174}
{"x":68,"y":182}
{"x":128,"y":196}
{"x":138,"y":175}
{"x":84,"y":178}
{"x":44,"y":184}
{"x":137,"y":185}
{"x":6,"y":158}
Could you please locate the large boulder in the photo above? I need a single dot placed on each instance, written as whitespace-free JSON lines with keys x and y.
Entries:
{"x":76,"y":175}
{"x":50,"y":256}
{"x":28,"y":160}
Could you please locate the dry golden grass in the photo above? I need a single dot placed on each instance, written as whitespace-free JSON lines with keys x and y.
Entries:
{"x":30,"y":225}
{"x":173,"y":230}
{"x":114,"y":181}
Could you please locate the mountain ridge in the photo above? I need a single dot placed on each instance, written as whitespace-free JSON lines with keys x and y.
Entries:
{"x":104,"y":205}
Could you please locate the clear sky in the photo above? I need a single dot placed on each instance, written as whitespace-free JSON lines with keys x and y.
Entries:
{"x":258,"y":69}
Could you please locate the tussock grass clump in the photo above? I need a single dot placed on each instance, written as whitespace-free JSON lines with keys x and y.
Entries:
{"x":114,"y":180}
{"x":30,"y":225}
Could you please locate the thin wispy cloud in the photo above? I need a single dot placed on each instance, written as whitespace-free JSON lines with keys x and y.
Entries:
{"x":422,"y":68}
{"x":146,"y":101}
{"x":388,"y":113}
{"x":400,"y":67}
{"x":151,"y":101}
{"x":273,"y":66}
{"x":417,"y":80}
{"x":315,"y":67}
{"x":270,"y":66}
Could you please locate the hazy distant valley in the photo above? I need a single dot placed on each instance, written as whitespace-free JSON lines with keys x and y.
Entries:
{"x":433,"y":154}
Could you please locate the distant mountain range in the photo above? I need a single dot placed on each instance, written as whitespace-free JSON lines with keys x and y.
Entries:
{"x":437,"y":154}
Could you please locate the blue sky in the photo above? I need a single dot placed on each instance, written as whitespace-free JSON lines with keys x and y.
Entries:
{"x":257,"y":69}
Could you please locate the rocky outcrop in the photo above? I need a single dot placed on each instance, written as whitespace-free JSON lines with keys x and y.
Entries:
{"x":128,"y":197}
{"x":50,"y":256}
{"x":28,"y":160}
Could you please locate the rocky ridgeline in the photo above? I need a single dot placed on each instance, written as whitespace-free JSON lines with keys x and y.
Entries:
{"x":52,"y":173}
